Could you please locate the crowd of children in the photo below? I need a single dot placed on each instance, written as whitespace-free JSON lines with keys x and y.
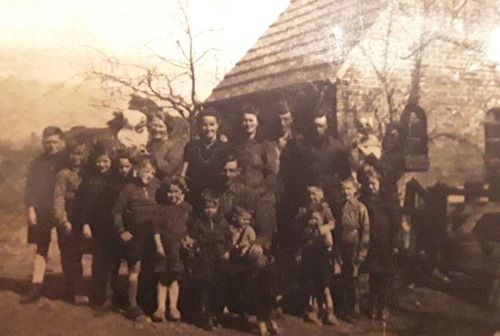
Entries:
{"x":200,"y":224}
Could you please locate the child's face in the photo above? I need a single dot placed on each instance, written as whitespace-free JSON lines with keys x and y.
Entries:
{"x":209,"y":127}
{"x":175,"y":195}
{"x":315,"y":220}
{"x":103,"y":163}
{"x":52,"y":144}
{"x":76,"y":157}
{"x":244,"y":218}
{"x":374,"y":185}
{"x":124,"y":166}
{"x":210,"y":209}
{"x":146,"y":174}
{"x":349,"y":190}
{"x":314,"y":194}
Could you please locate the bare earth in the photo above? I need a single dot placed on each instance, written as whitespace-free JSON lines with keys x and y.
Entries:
{"x":452,"y":311}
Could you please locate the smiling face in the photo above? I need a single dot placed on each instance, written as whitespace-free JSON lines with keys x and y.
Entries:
{"x":250,"y":123}
{"x":103,"y":163}
{"x":158,"y":129}
{"x":146,"y":173}
{"x":243,"y":218}
{"x":52,"y":144}
{"x":175,"y":195}
{"x":209,"y":127}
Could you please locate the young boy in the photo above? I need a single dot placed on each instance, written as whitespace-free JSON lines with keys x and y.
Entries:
{"x":133,"y":213}
{"x":212,"y":238}
{"x":352,"y":237}
{"x":40,"y":186}
{"x":66,"y":209}
{"x":243,"y":237}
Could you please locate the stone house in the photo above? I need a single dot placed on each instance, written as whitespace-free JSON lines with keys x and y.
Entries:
{"x":371,"y":58}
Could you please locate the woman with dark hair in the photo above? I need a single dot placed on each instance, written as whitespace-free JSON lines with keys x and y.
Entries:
{"x":166,"y":152}
{"x":204,"y":157}
{"x":259,"y":163}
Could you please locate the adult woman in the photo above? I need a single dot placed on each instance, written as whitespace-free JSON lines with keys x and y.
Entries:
{"x":166,"y":152}
{"x":259,"y":162}
{"x":204,"y":157}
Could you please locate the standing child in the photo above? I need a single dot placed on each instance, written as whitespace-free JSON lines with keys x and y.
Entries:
{"x":316,"y":223}
{"x":40,"y":186}
{"x":384,"y":228}
{"x":352,"y":237}
{"x":97,"y":193}
{"x":170,"y":229}
{"x":133,"y":213}
{"x":66,"y":209}
{"x":213,"y":241}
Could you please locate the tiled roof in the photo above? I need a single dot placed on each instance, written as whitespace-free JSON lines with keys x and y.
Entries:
{"x":308,"y":41}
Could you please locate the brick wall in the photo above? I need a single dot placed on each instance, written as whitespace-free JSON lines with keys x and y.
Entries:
{"x":440,"y":60}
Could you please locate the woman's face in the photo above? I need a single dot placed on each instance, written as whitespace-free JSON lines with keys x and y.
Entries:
{"x":250,"y":123}
{"x":209,"y":127}
{"x":103,"y":163}
{"x":158,"y":129}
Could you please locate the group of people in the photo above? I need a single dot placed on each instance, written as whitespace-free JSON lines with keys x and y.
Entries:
{"x":217,"y":206}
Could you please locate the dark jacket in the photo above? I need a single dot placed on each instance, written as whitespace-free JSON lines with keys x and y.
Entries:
{"x":40,"y":184}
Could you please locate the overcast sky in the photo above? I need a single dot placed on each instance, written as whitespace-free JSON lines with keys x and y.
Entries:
{"x":58,"y":33}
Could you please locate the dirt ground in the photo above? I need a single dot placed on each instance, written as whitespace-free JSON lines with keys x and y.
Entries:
{"x":427,"y":310}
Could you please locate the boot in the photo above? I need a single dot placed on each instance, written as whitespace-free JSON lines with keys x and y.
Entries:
{"x":329,"y":318}
{"x":33,"y":295}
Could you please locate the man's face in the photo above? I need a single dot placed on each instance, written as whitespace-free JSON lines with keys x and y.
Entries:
{"x":320,"y":126}
{"x":286,"y":122}
{"x":231,"y":170}
{"x":52,"y":144}
{"x":250,"y":123}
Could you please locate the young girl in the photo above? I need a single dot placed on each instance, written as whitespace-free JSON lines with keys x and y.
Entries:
{"x":384,"y":226}
{"x":170,"y":228}
{"x":352,"y":237}
{"x":98,"y":192}
{"x":133,"y":213}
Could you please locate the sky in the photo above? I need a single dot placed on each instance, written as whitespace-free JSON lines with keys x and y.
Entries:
{"x":61,"y":34}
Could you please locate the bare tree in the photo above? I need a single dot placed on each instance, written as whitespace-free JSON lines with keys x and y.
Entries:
{"x":172,"y":81}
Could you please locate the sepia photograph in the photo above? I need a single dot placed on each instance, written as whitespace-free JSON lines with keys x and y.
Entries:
{"x":264,"y":167}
